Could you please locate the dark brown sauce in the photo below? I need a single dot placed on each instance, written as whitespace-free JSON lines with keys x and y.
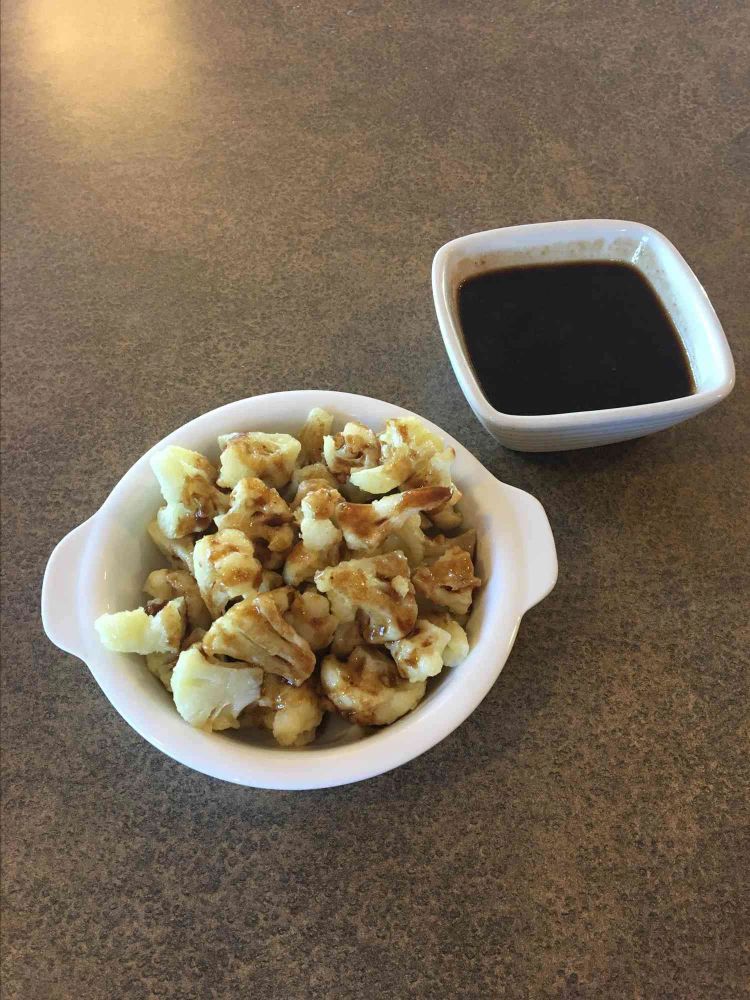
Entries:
{"x":561,"y":338}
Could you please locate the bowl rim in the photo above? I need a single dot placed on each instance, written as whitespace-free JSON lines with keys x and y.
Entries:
{"x":276,"y":767}
{"x":505,"y":238}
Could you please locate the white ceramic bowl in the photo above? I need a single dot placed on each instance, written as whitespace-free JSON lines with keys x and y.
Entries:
{"x":101,"y":565}
{"x":587,"y":239}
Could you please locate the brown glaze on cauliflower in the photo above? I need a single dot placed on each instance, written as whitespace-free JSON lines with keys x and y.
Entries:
{"x":331,"y":578}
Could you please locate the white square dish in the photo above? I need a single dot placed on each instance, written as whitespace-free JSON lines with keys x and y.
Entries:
{"x":631,"y":243}
{"x":101,"y":565}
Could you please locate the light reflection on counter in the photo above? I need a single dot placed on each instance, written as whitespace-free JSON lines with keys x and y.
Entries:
{"x":96,"y":57}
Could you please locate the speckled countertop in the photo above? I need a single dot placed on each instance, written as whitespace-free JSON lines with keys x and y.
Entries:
{"x":203,"y":201}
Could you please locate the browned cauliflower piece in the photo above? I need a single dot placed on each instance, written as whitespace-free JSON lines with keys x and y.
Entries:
{"x":317,"y":519}
{"x":411,"y":456}
{"x":420,"y":654}
{"x":307,"y":479}
{"x":271,"y":580}
{"x":449,"y":581}
{"x":458,"y":648}
{"x":292,"y":714}
{"x":366,"y":526}
{"x":317,"y":426}
{"x":255,"y":455}
{"x":179,"y":551}
{"x":255,"y":631}
{"x":310,"y":616}
{"x":226,"y":568}
{"x":367,"y":689}
{"x":439,"y":545}
{"x":302,"y":563}
{"x":264,"y":516}
{"x":448,"y":517}
{"x":165,"y":584}
{"x":356,"y":447}
{"x":345,"y":638}
{"x":377,"y":589}
{"x":188,"y":484}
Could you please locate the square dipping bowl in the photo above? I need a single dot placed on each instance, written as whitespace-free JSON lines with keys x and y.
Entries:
{"x":590,"y":240}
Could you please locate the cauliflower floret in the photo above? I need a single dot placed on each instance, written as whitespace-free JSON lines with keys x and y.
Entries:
{"x":264,"y":516}
{"x":187,"y":482}
{"x":367,"y":689}
{"x":210,"y":695}
{"x":439,"y":545}
{"x":256,"y":455}
{"x":225,"y":568}
{"x":317,"y":527}
{"x":165,"y":584}
{"x":179,"y":551}
{"x":270,"y":581}
{"x":310,"y":616}
{"x":307,"y":479}
{"x":458,"y":648}
{"x":292,"y":714}
{"x":366,"y":526}
{"x":449,"y":581}
{"x":317,"y":425}
{"x":411,"y":455}
{"x":302,"y":563}
{"x":408,"y":538}
{"x":448,"y":517}
{"x":345,"y":638}
{"x":420,"y":655}
{"x":356,"y":447}
{"x":255,"y":631}
{"x":140,"y":632}
{"x":161,"y":665}
{"x":378,"y":589}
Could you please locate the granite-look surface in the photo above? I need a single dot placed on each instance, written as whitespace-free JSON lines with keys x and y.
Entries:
{"x":203,"y":201}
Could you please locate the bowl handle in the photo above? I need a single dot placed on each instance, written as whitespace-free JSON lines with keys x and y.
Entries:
{"x":60,"y":589}
{"x":540,"y":555}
